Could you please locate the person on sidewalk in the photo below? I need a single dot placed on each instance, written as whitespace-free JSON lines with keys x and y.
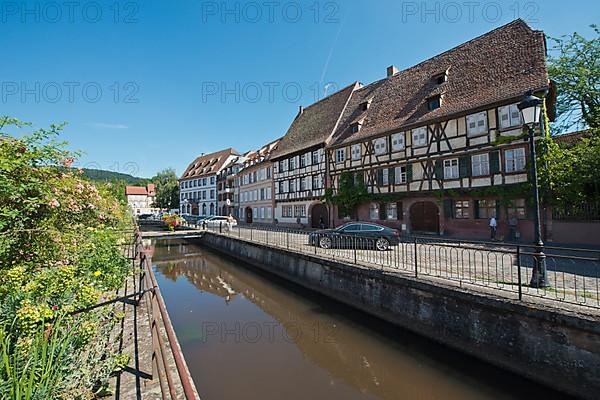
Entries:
{"x":493,"y":226}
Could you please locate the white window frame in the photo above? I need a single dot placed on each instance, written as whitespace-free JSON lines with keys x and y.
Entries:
{"x":374,"y":211}
{"x":391,"y":211}
{"x":385,"y":177}
{"x":340,"y":155}
{"x":356,"y":152}
{"x":480,"y":164}
{"x":399,"y":175}
{"x":517,"y":161}
{"x":398,"y":141}
{"x":451,"y":170}
{"x":380,"y":145}
{"x":477,"y":124}
{"x":509,"y":116}
{"x":419,"y":137}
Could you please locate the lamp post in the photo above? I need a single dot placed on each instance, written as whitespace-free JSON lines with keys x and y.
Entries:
{"x":530,"y":108}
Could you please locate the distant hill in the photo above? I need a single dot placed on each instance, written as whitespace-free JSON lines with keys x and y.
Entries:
{"x":109,"y":176}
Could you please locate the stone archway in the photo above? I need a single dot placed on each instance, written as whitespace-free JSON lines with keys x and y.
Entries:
{"x":248,"y":214}
{"x":425,"y":217}
{"x":319,"y":215}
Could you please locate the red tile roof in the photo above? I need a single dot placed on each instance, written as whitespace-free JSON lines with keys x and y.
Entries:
{"x":135,"y":190}
{"x":499,"y":66}
{"x":208,"y":164}
{"x":571,"y":138}
{"x":315,"y":124}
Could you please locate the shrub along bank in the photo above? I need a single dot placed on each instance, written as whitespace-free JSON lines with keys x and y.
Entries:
{"x":61,"y":240}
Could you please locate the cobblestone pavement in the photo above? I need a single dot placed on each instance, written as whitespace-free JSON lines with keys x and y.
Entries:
{"x":574,"y":278}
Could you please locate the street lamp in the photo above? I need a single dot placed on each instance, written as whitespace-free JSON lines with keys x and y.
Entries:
{"x":531,"y":108}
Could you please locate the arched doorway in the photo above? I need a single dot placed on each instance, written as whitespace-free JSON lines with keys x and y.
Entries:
{"x":425,"y":217}
{"x":319,"y":214}
{"x":248,"y":215}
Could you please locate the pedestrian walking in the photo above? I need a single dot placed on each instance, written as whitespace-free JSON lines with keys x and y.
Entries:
{"x":321,"y":222}
{"x":493,"y":226}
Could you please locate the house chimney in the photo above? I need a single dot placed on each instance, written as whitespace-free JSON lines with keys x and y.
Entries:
{"x":392,"y":70}
{"x":301,"y":110}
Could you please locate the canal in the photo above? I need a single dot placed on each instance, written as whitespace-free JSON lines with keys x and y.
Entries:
{"x":249,"y":336}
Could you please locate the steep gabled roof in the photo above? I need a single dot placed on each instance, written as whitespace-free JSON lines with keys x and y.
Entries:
{"x":496,"y":67}
{"x":208,"y":164}
{"x":571,"y":138}
{"x":315,"y":124}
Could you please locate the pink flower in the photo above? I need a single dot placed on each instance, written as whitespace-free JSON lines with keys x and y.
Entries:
{"x":55,"y":307}
{"x":79,"y":188}
{"x":67,"y":162}
{"x":54,"y":203}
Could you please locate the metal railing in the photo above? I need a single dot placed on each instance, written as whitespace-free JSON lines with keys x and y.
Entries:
{"x":574,"y":274}
{"x":158,"y":313}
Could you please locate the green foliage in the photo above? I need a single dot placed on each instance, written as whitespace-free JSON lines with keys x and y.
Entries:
{"x":574,"y":64}
{"x":167,"y":189}
{"x":571,"y":174}
{"x":351,"y":193}
{"x":99,"y":175}
{"x":59,"y":252}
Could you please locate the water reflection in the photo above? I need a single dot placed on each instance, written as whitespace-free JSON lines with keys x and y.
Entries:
{"x":245,"y":336}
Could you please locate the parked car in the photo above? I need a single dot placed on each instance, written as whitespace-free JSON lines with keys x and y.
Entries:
{"x":356,"y":234}
{"x":219,"y":220}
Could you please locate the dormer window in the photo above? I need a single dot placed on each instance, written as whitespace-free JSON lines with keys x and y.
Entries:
{"x":441,"y":78}
{"x":434,"y":102}
{"x":364,"y":106}
{"x":355,"y":127}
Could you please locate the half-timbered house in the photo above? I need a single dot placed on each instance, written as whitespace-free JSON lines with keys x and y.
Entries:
{"x":299,"y":167}
{"x":440,"y":146}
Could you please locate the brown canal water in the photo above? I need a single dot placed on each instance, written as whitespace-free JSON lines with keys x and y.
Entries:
{"x":249,"y":336}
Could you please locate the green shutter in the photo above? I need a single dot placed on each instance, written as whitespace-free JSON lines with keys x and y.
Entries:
{"x":464,"y":166}
{"x":476,"y":208}
{"x":409,"y":173}
{"x":439,"y":169}
{"x":379,"y":177}
{"x":494,"y":162}
{"x":399,"y":210}
{"x":382,"y":213}
{"x":448,"y":208}
{"x":391,"y":176}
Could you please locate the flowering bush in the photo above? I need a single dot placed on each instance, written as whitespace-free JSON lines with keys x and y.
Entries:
{"x":59,"y":252}
{"x":171,"y":221}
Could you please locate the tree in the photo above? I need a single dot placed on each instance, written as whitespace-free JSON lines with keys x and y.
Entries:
{"x":574,"y":65}
{"x":351,"y":193}
{"x":167,"y":189}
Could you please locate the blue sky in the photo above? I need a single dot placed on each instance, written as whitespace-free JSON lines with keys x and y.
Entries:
{"x":150,"y":84}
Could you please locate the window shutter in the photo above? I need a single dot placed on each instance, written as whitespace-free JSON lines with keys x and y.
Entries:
{"x":448,"y":208}
{"x":391,"y":176}
{"x":399,"y":210}
{"x":439,"y":169}
{"x":464,"y":166}
{"x":504,"y":116}
{"x":497,"y":209}
{"x":379,"y":177}
{"x":476,"y":208}
{"x":409,"y":173}
{"x":382,"y":211}
{"x":494,"y":162}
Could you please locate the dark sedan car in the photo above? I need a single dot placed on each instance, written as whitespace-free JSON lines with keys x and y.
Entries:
{"x":354,"y":235}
